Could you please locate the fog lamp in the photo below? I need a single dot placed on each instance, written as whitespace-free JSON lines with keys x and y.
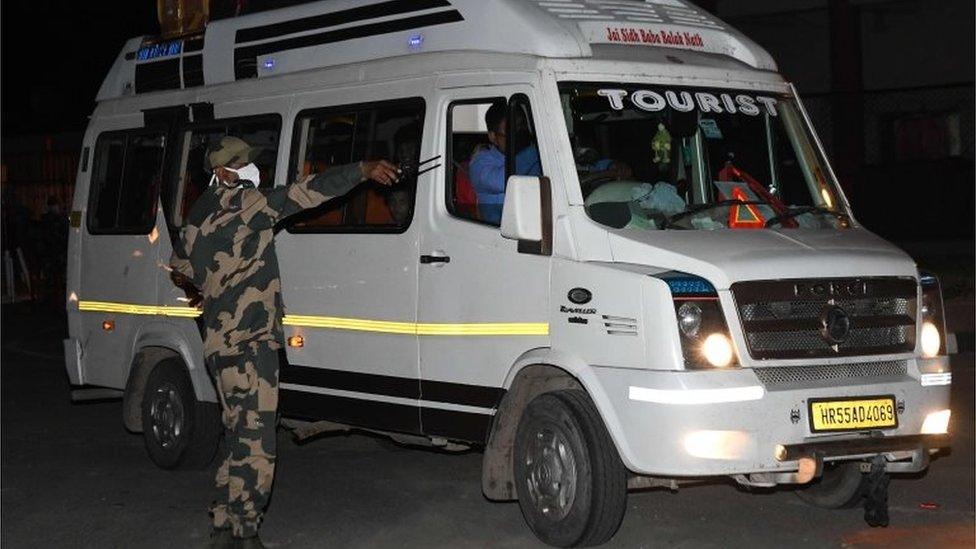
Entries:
{"x":936,"y":423}
{"x":717,"y":350}
{"x":931,"y":340}
{"x":717,"y":444}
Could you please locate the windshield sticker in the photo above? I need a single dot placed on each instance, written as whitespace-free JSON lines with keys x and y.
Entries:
{"x":710,"y":128}
{"x":683,"y":101}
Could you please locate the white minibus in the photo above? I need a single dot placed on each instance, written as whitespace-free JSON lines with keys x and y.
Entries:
{"x":621,"y":260}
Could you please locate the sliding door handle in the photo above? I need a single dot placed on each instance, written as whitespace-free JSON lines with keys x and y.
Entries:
{"x":428,"y":259}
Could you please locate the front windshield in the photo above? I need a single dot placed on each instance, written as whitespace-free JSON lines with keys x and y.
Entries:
{"x":654,"y":157}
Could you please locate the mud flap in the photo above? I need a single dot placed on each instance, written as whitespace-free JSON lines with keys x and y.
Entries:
{"x":876,"y":494}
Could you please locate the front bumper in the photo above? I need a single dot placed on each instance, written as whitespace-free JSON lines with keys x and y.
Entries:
{"x":728,"y":423}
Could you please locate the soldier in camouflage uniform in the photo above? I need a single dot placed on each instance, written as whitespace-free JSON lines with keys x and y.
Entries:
{"x":226,"y":253}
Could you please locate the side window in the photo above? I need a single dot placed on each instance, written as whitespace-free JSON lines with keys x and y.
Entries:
{"x":327,"y":138}
{"x":488,"y":140}
{"x":125,"y":182}
{"x":261,"y":133}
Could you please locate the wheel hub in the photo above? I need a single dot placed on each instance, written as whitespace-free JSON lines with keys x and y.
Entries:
{"x":551,"y":478}
{"x":166,"y":415}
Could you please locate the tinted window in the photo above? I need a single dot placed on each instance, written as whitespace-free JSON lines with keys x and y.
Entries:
{"x":327,"y":138}
{"x":262,"y":134}
{"x":125,"y":182}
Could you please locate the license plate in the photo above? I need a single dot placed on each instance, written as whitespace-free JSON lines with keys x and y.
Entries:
{"x":852,"y":414}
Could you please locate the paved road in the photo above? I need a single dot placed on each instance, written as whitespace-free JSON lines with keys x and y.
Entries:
{"x":73,"y":477}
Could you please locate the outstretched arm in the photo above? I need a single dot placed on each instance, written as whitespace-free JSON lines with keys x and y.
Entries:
{"x":264,"y":209}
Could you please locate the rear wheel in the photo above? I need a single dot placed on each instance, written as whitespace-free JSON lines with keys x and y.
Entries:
{"x":841,"y":486}
{"x":571,"y":484}
{"x":180,"y":432}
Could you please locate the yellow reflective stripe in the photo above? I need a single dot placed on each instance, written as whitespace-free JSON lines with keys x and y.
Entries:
{"x":357,"y":324}
{"x":337,"y":323}
{"x":486,"y":328}
{"x":135,"y":309}
{"x":442,"y":329}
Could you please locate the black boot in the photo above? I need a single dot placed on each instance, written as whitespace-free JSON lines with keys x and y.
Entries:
{"x":253,"y":542}
{"x":220,"y":538}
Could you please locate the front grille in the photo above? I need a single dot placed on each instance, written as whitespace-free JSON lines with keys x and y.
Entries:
{"x":784,"y":319}
{"x":786,"y":375}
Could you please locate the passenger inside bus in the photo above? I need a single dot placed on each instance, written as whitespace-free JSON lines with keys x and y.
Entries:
{"x":487,"y":169}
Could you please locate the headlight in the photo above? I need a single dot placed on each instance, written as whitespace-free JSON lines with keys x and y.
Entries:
{"x":705,"y":341}
{"x":690,"y":319}
{"x":931,"y":340}
{"x":717,"y":350}
{"x":933,"y":317}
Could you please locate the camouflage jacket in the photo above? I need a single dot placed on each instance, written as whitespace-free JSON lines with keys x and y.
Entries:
{"x":227,"y":250}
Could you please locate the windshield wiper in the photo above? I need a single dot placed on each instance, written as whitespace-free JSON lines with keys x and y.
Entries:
{"x":704,"y":207}
{"x":794,"y":212}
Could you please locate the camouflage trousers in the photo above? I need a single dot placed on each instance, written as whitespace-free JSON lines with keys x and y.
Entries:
{"x":248,"y":389}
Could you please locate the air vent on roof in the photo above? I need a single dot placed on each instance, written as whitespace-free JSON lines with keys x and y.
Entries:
{"x":665,"y":12}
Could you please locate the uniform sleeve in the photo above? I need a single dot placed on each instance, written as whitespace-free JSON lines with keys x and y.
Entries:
{"x":263,"y":209}
{"x":487,"y":175}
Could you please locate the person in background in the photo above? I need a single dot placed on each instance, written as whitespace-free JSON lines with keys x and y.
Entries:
{"x":53,"y":248}
{"x":226,"y":262}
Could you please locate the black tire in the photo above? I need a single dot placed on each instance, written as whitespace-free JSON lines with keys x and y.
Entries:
{"x":179,"y":431}
{"x":841,"y":486}
{"x":583,"y":512}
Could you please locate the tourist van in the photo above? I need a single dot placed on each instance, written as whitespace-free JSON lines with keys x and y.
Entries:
{"x":645,"y":274}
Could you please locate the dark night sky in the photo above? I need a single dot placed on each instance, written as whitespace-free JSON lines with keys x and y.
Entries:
{"x":55,"y":55}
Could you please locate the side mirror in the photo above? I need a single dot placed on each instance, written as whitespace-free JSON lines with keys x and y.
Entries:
{"x":522,"y":213}
{"x":527,"y":214}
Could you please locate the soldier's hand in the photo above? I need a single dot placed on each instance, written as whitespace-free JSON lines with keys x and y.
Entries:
{"x":179,"y":279}
{"x":380,"y":171}
{"x":192,"y":292}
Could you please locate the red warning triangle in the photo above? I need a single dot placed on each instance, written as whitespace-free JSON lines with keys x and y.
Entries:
{"x":744,"y":216}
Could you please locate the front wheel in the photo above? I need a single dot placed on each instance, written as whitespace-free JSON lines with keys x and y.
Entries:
{"x":840,"y":486}
{"x":571,"y":484}
{"x":180,"y":432}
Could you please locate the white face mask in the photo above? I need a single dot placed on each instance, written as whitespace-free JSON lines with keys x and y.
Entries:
{"x":249,"y":173}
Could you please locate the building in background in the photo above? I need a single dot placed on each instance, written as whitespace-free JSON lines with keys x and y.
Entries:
{"x":889,"y":84}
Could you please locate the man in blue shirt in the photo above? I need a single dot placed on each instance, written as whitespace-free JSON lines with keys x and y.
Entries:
{"x":487,"y":169}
